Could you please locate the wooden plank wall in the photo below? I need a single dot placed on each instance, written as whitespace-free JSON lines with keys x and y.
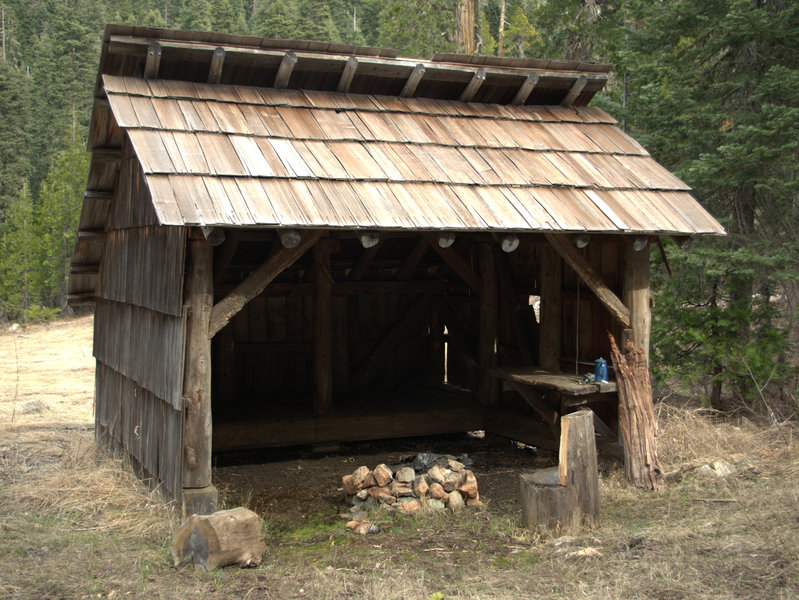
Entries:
{"x":139,"y":334}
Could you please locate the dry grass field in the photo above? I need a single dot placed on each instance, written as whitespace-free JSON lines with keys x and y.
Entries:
{"x":75,"y":523}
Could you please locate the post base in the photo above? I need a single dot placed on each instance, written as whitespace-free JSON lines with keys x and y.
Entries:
{"x":199,"y":501}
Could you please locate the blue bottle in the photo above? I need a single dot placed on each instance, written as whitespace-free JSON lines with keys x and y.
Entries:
{"x":600,"y":370}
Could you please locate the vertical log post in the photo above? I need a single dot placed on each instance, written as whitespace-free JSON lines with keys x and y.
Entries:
{"x":550,"y":311}
{"x":636,"y":297}
{"x":488,"y":390}
{"x":199,"y":495}
{"x":637,"y":417}
{"x":323,"y":329}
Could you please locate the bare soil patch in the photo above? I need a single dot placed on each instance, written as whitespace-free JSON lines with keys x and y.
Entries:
{"x":75,"y":523}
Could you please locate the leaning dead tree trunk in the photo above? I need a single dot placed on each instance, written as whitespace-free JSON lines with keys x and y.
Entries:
{"x":637,"y":417}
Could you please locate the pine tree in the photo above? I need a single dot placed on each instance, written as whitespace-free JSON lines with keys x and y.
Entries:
{"x":316,"y":22}
{"x":17,"y":258}
{"x":15,"y":101}
{"x":418,"y":28}
{"x":276,"y":19}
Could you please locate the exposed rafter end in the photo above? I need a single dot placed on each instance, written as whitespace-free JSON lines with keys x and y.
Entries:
{"x":526,"y":89}
{"x":471,"y":88}
{"x":217,"y":62}
{"x":289,"y":238}
{"x":284,"y":70}
{"x":413,"y":81}
{"x":105,"y":154}
{"x":369,"y":239}
{"x":347,"y":75}
{"x":85,"y":299}
{"x":507,"y":241}
{"x":445,"y":240}
{"x":684,"y":242}
{"x":640,"y":242}
{"x":153,"y":61}
{"x":214,"y":235}
{"x":575,"y":90}
{"x":581,"y":240}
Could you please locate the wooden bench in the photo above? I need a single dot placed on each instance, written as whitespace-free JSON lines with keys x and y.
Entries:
{"x":551,"y":394}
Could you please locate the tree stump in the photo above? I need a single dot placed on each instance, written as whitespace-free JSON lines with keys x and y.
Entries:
{"x":223,"y":538}
{"x":637,"y":417}
{"x":565,"y":499}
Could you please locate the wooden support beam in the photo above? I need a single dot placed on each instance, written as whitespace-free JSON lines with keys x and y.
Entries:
{"x":388,"y":346}
{"x":153,"y":61}
{"x":473,"y":86}
{"x":514,"y":310}
{"x":369,"y":239}
{"x":364,"y":260}
{"x":225,"y":255}
{"x":410,"y":263}
{"x":91,"y":235}
{"x":591,"y":278}
{"x":84,"y":269}
{"x":488,"y":390}
{"x":215,"y":68}
{"x":197,"y":422}
{"x":347,"y":75}
{"x":635,"y":286}
{"x":549,"y":344}
{"x":84,"y":299}
{"x":323,"y":330}
{"x":535,"y":401}
{"x":279,"y":261}
{"x":289,"y":238}
{"x":413,"y":81}
{"x":525,"y":89}
{"x":454,"y":260}
{"x":284,"y":71}
{"x":575,"y":90}
{"x":107,"y":154}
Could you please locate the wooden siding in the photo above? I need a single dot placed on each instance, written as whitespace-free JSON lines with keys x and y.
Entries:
{"x":142,"y":425}
{"x":226,"y":155}
{"x":142,"y":344}
{"x":144,"y":267}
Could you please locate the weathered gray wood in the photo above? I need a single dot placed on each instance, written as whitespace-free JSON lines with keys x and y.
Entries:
{"x":563,"y":383}
{"x":525,"y":89}
{"x":545,"y":411}
{"x":591,"y":278}
{"x":347,"y":75}
{"x":153,"y":61}
{"x":323,"y":330}
{"x":369,"y":239}
{"x":474,"y":84}
{"x":565,"y":500}
{"x":289,"y":238}
{"x":284,"y":70}
{"x":637,"y":417}
{"x":550,"y":313}
{"x":636,"y":296}
{"x":280,"y":259}
{"x":215,"y":68}
{"x":226,"y":537}
{"x":577,"y":465}
{"x":575,"y":90}
{"x":197,"y":371}
{"x":413,"y":81}
{"x":488,"y":390}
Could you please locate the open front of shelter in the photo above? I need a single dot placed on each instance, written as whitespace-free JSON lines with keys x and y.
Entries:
{"x":300,"y":243}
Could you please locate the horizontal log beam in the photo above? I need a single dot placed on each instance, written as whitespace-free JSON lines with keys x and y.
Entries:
{"x":591,"y":278}
{"x":279,"y":261}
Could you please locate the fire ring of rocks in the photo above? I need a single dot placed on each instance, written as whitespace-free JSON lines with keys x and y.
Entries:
{"x":410,"y":488}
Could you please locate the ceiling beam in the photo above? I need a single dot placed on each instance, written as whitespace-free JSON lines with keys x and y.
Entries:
{"x":284,"y":71}
{"x":471,"y":88}
{"x":153,"y":61}
{"x":525,"y":89}
{"x":217,"y":62}
{"x":347,"y":75}
{"x":413,"y":81}
{"x":575,"y":90}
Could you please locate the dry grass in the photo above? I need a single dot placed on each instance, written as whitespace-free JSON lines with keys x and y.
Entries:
{"x":76,"y":524}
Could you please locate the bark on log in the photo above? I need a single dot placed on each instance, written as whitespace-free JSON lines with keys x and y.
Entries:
{"x":223,"y":538}
{"x":637,"y":417}
{"x":565,"y":499}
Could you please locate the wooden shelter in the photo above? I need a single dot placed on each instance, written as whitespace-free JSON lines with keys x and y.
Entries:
{"x":296,"y":243}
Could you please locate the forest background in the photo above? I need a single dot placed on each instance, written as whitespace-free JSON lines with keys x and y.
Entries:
{"x":708,"y":86}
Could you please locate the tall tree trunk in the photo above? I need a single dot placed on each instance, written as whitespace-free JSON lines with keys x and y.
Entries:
{"x":501,"y":43}
{"x":716,"y":370}
{"x":468,"y":11}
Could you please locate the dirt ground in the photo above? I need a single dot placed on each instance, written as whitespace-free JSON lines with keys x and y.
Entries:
{"x":75,"y":523}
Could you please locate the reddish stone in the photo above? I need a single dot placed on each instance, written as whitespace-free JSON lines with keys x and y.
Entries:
{"x":359,"y":475}
{"x":382,"y":475}
{"x":469,"y":486}
{"x":437,"y":492}
{"x":349,"y":487}
{"x":420,"y":486}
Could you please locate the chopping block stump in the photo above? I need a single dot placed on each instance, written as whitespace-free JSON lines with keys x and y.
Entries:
{"x":565,"y":499}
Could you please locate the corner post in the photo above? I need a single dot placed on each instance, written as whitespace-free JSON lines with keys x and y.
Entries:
{"x":199,"y":495}
{"x":636,"y":296}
